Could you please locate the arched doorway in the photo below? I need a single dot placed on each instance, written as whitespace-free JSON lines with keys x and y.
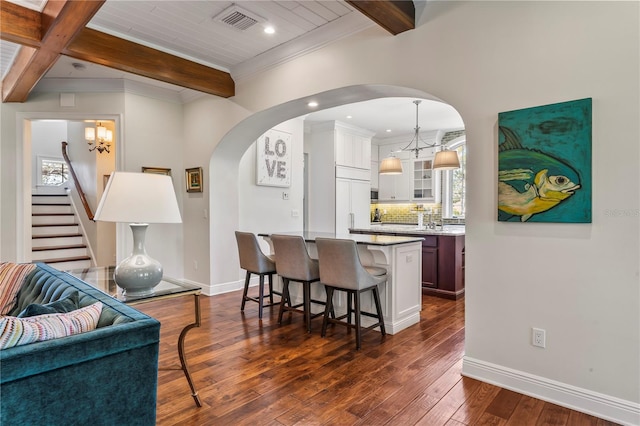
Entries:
{"x":223,"y":176}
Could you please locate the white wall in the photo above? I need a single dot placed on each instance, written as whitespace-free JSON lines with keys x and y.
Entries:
{"x":579,"y":282}
{"x":262,"y":208}
{"x":153,"y":137}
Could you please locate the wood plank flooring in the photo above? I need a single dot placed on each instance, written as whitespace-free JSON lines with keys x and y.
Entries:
{"x":249,"y":372}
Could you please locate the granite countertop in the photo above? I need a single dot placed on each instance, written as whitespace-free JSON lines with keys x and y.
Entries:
{"x":368,"y":239}
{"x":411,"y":229}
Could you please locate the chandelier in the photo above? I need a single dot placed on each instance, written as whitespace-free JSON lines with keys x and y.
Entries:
{"x":99,"y":138}
{"x":444,"y":159}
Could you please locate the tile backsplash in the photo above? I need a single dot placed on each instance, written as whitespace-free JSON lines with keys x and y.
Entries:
{"x":408,"y":213}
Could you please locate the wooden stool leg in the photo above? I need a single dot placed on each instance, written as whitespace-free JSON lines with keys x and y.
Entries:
{"x":285,"y":298}
{"x":246,"y":288}
{"x":327,"y":309}
{"x":376,"y":298}
{"x":306,"y":295}
{"x":261,"y":296}
{"x":271,"y":289}
{"x":356,"y":296}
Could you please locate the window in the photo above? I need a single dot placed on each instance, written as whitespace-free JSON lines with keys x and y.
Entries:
{"x":454,"y":185}
{"x":53,"y":172}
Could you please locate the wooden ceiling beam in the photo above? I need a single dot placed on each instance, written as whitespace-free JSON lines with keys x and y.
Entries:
{"x":113,"y":52}
{"x":395,"y":16}
{"x":20,"y":25}
{"x":60,"y":29}
{"x":59,"y":23}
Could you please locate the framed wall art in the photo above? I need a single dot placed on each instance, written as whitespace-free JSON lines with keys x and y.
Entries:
{"x":544,"y":163}
{"x":156,"y":170}
{"x":273,"y":159}
{"x":193,"y":178}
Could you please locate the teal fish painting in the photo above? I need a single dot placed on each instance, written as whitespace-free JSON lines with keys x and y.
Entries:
{"x":545,"y":174}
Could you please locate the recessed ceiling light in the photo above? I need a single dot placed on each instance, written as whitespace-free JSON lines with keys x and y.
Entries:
{"x":388,"y":130}
{"x":312,"y":104}
{"x":269,"y":29}
{"x":348,"y":116}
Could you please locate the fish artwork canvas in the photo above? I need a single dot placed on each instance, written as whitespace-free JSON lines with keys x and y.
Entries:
{"x":544,"y":163}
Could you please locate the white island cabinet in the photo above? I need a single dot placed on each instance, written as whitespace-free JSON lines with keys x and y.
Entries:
{"x":400,"y":296}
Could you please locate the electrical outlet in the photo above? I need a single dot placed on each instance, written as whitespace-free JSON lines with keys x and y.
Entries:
{"x":538,"y":337}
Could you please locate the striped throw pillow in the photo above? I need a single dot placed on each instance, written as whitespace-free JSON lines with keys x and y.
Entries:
{"x":11,"y":278}
{"x":21,"y":331}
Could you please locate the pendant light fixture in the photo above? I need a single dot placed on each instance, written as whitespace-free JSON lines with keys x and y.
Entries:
{"x":444,"y":160}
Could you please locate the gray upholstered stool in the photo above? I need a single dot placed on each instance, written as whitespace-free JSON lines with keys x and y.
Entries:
{"x":254,"y":261}
{"x":341,"y":269}
{"x":295,"y":264}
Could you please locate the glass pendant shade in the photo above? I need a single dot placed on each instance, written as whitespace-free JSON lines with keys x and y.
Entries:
{"x":446,"y":160}
{"x":391,"y":166}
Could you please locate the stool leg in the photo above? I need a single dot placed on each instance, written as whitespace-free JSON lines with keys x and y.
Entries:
{"x":376,"y":298}
{"x":246,"y":288}
{"x":285,"y":298}
{"x":327,"y":309}
{"x":271,"y":289}
{"x":306,"y":295}
{"x":261,"y":296}
{"x":356,"y":296}
{"x":349,"y":306}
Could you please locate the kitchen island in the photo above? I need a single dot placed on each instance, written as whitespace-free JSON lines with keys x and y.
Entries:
{"x":401,"y":256}
{"x":443,"y":255}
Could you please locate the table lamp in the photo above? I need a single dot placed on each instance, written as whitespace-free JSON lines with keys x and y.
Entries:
{"x":138,"y":199}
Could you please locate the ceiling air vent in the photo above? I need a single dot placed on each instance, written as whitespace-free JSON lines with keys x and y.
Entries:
{"x":239,"y":18}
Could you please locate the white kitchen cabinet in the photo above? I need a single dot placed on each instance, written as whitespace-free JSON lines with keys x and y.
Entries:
{"x":353,"y":149}
{"x":352,"y":204}
{"x":339,"y":176}
{"x":396,"y":187}
{"x":374,"y":174}
{"x":426,"y":181}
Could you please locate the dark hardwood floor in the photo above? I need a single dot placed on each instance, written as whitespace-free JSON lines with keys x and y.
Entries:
{"x":249,"y":372}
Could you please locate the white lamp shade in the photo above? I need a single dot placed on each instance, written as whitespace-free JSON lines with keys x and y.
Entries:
{"x":446,"y":160}
{"x":391,"y":166}
{"x":139,"y":198}
{"x":90,"y":133}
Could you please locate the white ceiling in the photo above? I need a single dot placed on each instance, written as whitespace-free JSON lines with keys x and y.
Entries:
{"x":189,"y":29}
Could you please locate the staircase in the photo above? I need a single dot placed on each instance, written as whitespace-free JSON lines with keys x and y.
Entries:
{"x":56,"y":237}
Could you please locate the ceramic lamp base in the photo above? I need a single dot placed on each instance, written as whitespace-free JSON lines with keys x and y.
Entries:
{"x":138,"y":274}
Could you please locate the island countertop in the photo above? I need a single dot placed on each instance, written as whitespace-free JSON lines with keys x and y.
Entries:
{"x":367,"y":239}
{"x":408,"y":229}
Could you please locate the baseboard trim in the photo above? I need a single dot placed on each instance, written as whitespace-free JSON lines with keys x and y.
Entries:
{"x":578,"y":399}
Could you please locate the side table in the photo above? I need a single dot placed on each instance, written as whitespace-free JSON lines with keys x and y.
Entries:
{"x":102,"y":279}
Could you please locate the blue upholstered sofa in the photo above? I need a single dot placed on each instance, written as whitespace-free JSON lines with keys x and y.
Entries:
{"x":107,"y":376}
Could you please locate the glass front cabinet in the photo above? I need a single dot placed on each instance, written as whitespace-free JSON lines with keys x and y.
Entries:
{"x":426,"y":182}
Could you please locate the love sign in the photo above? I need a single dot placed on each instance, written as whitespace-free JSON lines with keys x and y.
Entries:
{"x":274,"y":159}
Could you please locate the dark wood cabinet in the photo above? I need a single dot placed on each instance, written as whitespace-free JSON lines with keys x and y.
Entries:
{"x":430,"y":262}
{"x":442,"y":263}
{"x":450,"y":269}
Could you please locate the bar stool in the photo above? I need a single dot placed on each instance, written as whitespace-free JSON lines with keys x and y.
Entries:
{"x":295,"y":264}
{"x":341,"y":269}
{"x":254,"y":261}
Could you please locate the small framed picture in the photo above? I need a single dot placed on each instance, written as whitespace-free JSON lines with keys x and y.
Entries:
{"x":193,"y":179}
{"x":157,"y":170}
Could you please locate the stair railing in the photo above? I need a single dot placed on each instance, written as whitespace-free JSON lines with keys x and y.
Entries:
{"x":76,"y":182}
